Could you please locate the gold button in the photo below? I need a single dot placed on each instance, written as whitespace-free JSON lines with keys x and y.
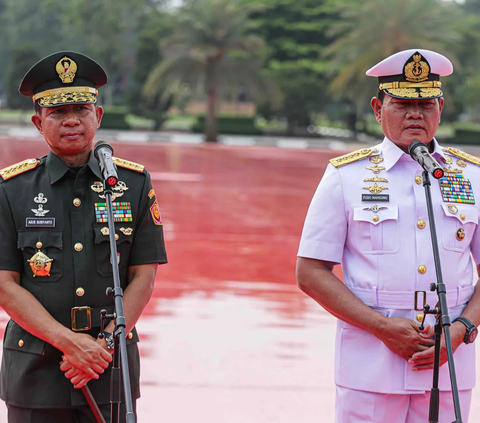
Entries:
{"x":80,"y":291}
{"x":116,"y":237}
{"x":39,"y":245}
{"x":77,"y":202}
{"x":21,"y":343}
{"x":422,"y":269}
{"x":421,"y":224}
{"x":375,"y":218}
{"x":420,"y":317}
{"x":130,"y":335}
{"x":418,"y":179}
{"x":462,"y":216}
{"x":78,"y":246}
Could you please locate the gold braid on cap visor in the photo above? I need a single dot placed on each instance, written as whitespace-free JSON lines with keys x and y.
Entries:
{"x":396,"y":85}
{"x":415,"y":92}
{"x":66,"y":95}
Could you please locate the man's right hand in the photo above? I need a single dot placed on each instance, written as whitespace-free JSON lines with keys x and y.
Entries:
{"x":404,"y":337}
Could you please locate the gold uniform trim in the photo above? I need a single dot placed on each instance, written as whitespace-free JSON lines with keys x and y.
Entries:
{"x":64,"y":90}
{"x":18,"y":168}
{"x":462,"y":155}
{"x":128,"y":164}
{"x":353,"y":157}
{"x":415,"y":92}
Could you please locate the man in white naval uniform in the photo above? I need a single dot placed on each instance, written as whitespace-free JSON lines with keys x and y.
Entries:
{"x":369,"y":213}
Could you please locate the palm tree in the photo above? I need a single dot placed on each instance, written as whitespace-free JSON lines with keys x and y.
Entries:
{"x":370,"y":30}
{"x":210,"y":50}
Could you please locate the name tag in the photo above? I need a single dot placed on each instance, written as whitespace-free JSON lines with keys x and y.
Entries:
{"x":375,"y":197}
{"x":40,"y":222}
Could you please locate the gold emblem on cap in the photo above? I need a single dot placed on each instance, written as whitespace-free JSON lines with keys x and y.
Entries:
{"x":40,"y":264}
{"x":66,"y":69}
{"x":375,"y":189}
{"x":417,"y":70}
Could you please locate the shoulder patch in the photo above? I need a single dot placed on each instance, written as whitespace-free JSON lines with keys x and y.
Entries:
{"x":462,"y":155}
{"x":128,"y":164}
{"x":353,"y":157}
{"x":18,"y":168}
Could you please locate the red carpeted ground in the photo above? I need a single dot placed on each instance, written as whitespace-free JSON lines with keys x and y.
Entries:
{"x":227,"y":336}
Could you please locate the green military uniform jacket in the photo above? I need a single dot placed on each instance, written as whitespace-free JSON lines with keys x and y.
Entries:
{"x":49,"y":208}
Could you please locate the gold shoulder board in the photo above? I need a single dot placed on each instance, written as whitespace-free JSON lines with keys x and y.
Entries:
{"x":129,"y":165}
{"x":353,"y":157}
{"x":462,"y":155}
{"x":18,"y":168}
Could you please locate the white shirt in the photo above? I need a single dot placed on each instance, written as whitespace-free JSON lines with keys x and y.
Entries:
{"x":381,"y":251}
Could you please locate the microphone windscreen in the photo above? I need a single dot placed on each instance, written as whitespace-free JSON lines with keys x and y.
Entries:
{"x":101,"y":144}
{"x":413,"y":146}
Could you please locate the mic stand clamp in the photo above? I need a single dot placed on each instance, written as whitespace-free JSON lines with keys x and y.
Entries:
{"x":442,"y":321}
{"x":119,"y":372}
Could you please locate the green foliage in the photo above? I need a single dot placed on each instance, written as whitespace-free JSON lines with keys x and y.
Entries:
{"x":114,"y":118}
{"x":241,"y":125}
{"x":466,"y":134}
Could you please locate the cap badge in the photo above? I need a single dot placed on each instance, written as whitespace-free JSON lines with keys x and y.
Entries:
{"x":416,"y":70}
{"x":66,"y":69}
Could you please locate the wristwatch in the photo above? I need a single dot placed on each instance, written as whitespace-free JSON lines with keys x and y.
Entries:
{"x":109,"y":339}
{"x":471,"y":332}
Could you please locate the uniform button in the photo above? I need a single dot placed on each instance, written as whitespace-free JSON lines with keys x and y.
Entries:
{"x":39,"y":245}
{"x":418,"y":179}
{"x":130,"y":335}
{"x":462,"y":216}
{"x":422,"y":269}
{"x":80,"y":291}
{"x":421,"y":224}
{"x":420,"y":317}
{"x":375,"y":218}
{"x":116,"y":237}
{"x":77,"y":202}
{"x":21,"y":343}
{"x":78,"y":246}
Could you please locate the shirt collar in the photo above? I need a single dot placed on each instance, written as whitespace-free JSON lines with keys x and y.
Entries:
{"x":57,"y":168}
{"x":392,"y":153}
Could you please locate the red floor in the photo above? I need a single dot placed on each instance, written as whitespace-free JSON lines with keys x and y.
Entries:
{"x":227,"y":336}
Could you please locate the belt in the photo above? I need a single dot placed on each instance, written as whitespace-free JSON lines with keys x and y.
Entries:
{"x":405,"y":300}
{"x":82,"y":318}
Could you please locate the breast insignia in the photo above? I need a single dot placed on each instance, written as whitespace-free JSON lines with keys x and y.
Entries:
{"x":18,"y":168}
{"x":462,"y":155}
{"x":128,"y":164}
{"x":353,"y":157}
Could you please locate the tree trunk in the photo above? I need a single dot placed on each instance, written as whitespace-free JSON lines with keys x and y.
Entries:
{"x":211,"y":90}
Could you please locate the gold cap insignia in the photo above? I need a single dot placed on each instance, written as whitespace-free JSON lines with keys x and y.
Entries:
{"x":66,"y":69}
{"x":416,"y":70}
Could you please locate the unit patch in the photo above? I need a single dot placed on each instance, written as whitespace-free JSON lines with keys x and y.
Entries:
{"x":151,"y":193}
{"x":155,"y":212}
{"x":456,"y":189}
{"x":122,"y":212}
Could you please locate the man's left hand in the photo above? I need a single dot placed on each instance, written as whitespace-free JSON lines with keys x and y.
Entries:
{"x":424,"y":360}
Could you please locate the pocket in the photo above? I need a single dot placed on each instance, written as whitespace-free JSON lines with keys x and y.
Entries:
{"x":458,"y":226}
{"x":124,"y":233}
{"x":376,"y":232}
{"x":42,"y":251}
{"x":18,"y":339}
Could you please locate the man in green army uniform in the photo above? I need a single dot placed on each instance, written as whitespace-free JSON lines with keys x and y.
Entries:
{"x":55,"y":262}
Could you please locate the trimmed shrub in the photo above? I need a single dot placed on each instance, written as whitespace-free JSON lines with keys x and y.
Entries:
{"x":114,"y":118}
{"x":234,"y":125}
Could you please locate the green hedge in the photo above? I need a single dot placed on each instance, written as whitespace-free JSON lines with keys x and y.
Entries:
{"x":468,"y":134}
{"x":114,"y":118}
{"x":243,"y":125}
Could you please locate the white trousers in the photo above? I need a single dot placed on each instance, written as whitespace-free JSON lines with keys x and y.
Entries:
{"x":354,"y":406}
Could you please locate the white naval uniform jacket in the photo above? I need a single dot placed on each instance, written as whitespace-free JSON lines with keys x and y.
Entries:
{"x":381,"y":252}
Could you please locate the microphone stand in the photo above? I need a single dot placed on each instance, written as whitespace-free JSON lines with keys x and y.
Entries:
{"x":120,"y":344}
{"x":442,"y":321}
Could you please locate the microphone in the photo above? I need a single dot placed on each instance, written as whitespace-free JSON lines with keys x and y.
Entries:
{"x":103,"y":152}
{"x":419,"y":152}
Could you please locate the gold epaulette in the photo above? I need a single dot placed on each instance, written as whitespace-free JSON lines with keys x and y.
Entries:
{"x":128,"y":165}
{"x":18,"y":168}
{"x":462,"y":155}
{"x":353,"y":157}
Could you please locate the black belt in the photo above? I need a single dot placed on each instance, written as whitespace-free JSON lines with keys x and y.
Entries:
{"x":81,"y":319}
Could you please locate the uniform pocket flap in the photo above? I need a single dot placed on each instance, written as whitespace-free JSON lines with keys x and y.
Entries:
{"x":17,"y":338}
{"x":48,"y":238}
{"x":375,"y":214}
{"x":463,"y":213}
{"x":123,"y":232}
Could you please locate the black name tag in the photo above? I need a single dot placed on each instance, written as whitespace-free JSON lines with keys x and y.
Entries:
{"x":375,"y":197}
{"x":40,"y":222}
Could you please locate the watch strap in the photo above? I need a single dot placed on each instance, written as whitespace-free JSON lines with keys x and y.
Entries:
{"x":468,"y":324}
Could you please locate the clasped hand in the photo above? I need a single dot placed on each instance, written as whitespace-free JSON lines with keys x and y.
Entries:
{"x":87,"y":360}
